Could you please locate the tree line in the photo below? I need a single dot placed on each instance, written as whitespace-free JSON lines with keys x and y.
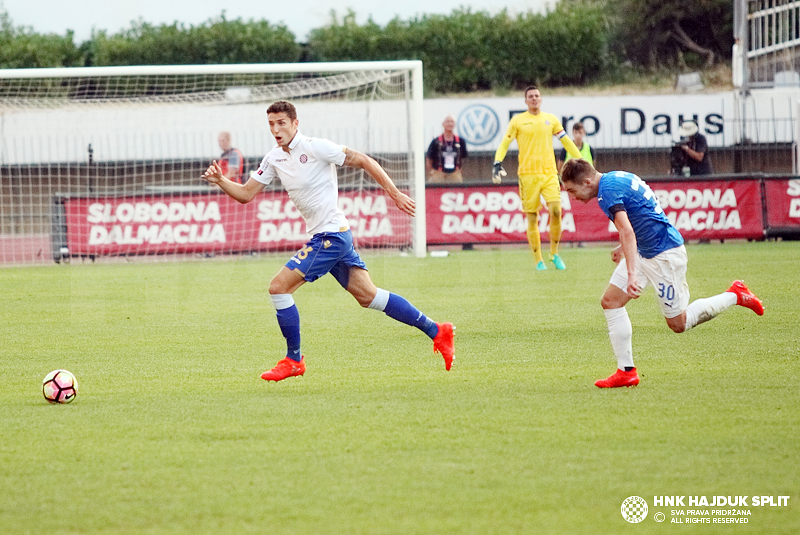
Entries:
{"x":577,"y":42}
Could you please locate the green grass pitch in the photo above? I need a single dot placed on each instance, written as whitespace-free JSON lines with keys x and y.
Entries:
{"x":174,"y":432}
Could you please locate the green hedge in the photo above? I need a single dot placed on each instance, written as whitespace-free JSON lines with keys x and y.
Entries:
{"x":217,"y":41}
{"x":462,"y":51}
{"x":21,"y":48}
{"x":469,"y":50}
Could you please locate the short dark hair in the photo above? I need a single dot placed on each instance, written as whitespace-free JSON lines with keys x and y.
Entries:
{"x":531,"y":87}
{"x":575,"y":170}
{"x":283,"y":106}
{"x":578,"y":127}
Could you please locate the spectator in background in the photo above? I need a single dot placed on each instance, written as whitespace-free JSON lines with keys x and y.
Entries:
{"x":231,"y":161}
{"x":587,"y":153}
{"x":445,"y":155}
{"x":695,"y":146}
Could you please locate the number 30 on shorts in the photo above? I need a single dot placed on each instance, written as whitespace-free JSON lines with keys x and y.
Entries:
{"x":667,"y":291}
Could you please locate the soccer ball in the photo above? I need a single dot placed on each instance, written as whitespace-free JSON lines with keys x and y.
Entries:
{"x":59,"y":386}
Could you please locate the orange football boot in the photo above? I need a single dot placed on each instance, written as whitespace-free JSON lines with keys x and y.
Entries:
{"x":444,"y":344}
{"x":746,"y":298}
{"x":620,"y":378}
{"x":285,"y":368}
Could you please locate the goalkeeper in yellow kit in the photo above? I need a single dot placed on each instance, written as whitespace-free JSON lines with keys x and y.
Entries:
{"x":538,"y":175}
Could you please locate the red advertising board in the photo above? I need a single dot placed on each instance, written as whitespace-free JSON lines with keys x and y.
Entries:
{"x":213,"y":222}
{"x":783,"y":203}
{"x":491,"y":214}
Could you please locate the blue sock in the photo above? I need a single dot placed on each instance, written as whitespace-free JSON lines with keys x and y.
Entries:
{"x":289,"y":322}
{"x":401,"y":310}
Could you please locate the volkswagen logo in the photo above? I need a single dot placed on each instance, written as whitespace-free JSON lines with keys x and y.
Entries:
{"x":478,"y":124}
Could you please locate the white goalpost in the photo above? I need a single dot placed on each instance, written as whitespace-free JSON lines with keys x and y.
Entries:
{"x":106,"y":161}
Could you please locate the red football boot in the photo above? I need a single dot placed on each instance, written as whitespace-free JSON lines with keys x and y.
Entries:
{"x":285,"y":368}
{"x":620,"y":378}
{"x":443,"y":343}
{"x":746,"y":298}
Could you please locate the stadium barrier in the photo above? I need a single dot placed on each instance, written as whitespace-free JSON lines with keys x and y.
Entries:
{"x":205,"y":222}
{"x":718,"y":208}
{"x":208,"y":222}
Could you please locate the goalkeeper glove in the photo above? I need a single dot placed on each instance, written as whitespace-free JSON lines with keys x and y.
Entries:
{"x":498,"y":172}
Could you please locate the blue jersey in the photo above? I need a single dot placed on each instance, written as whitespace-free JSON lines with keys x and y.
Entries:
{"x":621,"y":191}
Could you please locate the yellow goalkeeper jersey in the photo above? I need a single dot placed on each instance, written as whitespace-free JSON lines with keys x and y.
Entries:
{"x":534,"y":135}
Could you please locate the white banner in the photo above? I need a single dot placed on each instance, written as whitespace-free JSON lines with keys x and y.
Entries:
{"x":173,"y":132}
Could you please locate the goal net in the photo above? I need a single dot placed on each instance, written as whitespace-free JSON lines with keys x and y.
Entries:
{"x":106,"y":162}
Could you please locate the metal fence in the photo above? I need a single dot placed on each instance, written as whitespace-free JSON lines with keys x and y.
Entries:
{"x":767,"y":49}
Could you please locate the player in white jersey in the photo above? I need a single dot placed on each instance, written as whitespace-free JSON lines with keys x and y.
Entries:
{"x":307,"y":169}
{"x":651,"y":251}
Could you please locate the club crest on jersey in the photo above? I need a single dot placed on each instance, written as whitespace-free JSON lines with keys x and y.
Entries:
{"x":326,"y":244}
{"x":303,"y":158}
{"x":547,"y":123}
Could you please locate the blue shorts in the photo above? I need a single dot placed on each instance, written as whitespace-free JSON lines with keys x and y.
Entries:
{"x":327,"y":252}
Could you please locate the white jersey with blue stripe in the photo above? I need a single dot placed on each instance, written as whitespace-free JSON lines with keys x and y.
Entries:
{"x":622,"y":191}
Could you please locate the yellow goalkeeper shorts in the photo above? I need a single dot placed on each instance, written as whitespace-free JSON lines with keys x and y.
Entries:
{"x":531,"y":187}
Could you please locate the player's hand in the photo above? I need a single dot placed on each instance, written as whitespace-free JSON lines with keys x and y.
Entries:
{"x":498,"y":172}
{"x":633,"y":290}
{"x":617,"y":254}
{"x":213,"y":174}
{"x":405,"y":204}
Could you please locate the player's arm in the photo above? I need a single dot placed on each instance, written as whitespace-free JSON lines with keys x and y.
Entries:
{"x":244,"y":193}
{"x":359,"y":160}
{"x":497,"y":169}
{"x":511,"y":134}
{"x":627,"y":240}
{"x":565,"y":140}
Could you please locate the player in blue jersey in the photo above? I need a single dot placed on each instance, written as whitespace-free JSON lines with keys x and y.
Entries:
{"x":651,"y":251}
{"x":306,"y":167}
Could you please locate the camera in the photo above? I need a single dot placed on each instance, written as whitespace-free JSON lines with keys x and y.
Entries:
{"x":678,"y":159}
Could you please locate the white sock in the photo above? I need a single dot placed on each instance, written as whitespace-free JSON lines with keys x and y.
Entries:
{"x":702,"y":310}
{"x":620,"y":332}
{"x":380,"y":301}
{"x":282,"y":301}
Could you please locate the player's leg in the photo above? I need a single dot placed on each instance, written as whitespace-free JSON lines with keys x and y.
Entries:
{"x":620,"y":330}
{"x":360,"y":286}
{"x":667,"y":273}
{"x":535,"y":240}
{"x":551,"y":191}
{"x":281,"y":288}
{"x":308,"y":264}
{"x":529,"y":196}
{"x":708,"y":308}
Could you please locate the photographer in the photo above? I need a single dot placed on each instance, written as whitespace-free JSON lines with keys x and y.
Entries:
{"x":691,"y":151}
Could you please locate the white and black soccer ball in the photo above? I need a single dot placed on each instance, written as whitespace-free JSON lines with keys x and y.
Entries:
{"x":59,"y":386}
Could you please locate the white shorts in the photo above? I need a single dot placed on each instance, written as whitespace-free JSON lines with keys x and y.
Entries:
{"x":666,"y":272}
